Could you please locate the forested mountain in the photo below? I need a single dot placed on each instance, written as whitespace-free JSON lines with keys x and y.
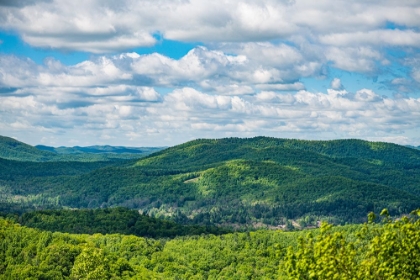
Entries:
{"x":258,"y":181}
{"x":100,"y":149}
{"x":15,"y":150}
{"x":207,"y":152}
{"x":239,"y":183}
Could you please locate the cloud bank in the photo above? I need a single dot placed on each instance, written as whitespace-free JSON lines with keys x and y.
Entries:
{"x":208,"y":93}
{"x":248,"y":74}
{"x":102,"y":26}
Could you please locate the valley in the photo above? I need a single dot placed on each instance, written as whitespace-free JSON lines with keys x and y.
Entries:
{"x":232,"y":208}
{"x":229,"y":182}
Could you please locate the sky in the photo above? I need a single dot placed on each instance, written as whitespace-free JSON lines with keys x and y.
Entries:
{"x":163,"y":72}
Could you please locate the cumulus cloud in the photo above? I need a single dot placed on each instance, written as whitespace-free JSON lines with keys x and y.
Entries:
{"x":282,"y":87}
{"x":402,"y":38}
{"x":355,"y":59}
{"x":246,"y":79}
{"x":336,"y":84}
{"x":103,"y":26}
{"x":309,"y":36}
{"x":240,"y":72}
{"x":188,"y":113}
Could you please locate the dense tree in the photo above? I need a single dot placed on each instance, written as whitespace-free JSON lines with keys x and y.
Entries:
{"x":112,"y":220}
{"x":385,"y":250}
{"x":258,"y":181}
{"x":389,"y":251}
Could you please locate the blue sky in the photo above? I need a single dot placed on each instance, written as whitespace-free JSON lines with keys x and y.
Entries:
{"x":159,"y":73}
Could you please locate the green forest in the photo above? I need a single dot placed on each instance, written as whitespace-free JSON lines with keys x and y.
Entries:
{"x":231,"y":182}
{"x":16,"y":150}
{"x":386,"y":249}
{"x":111,"y":220}
{"x":233,"y":208}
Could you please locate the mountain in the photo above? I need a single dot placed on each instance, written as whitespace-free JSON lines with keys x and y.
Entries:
{"x":204,"y":151}
{"x":100,"y":149}
{"x":16,"y":150}
{"x":258,"y":181}
{"x":414,"y":147}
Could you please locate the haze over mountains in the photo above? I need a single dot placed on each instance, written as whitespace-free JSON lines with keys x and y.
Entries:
{"x":99,"y":149}
{"x":194,"y":209}
{"x":231,"y":181}
{"x":16,"y":150}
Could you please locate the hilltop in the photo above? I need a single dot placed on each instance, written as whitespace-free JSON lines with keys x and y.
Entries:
{"x":233,"y":181}
{"x":98,"y":149}
{"x":13,"y":149}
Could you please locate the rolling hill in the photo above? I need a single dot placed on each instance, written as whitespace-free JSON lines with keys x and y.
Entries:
{"x":97,"y":149}
{"x":15,"y":150}
{"x":258,"y":181}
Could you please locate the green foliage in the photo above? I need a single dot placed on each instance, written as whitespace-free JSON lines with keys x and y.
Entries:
{"x":329,"y":256}
{"x":38,"y":254}
{"x":111,"y":220}
{"x":101,"y":150}
{"x":15,"y":150}
{"x":256,"y":182}
{"x":389,"y":251}
{"x":386,"y":250}
{"x":90,"y":264}
{"x":32,"y":254}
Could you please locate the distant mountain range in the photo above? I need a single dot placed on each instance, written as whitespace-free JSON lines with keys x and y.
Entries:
{"x":414,"y":147}
{"x":256,"y":181}
{"x":16,"y":150}
{"x":100,"y":149}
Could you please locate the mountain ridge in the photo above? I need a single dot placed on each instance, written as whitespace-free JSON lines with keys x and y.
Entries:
{"x":242,"y":181}
{"x":98,"y":149}
{"x":13,"y":149}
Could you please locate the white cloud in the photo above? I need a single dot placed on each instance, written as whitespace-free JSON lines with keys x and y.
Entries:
{"x":336,"y":84}
{"x":187,"y":113}
{"x":366,"y":95}
{"x":252,"y":50}
{"x":282,"y":87}
{"x":233,"y":89}
{"x":308,"y":36}
{"x":402,"y":38}
{"x":239,"y":72}
{"x":354,"y":59}
{"x":415,"y":73}
{"x":102,"y":26}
